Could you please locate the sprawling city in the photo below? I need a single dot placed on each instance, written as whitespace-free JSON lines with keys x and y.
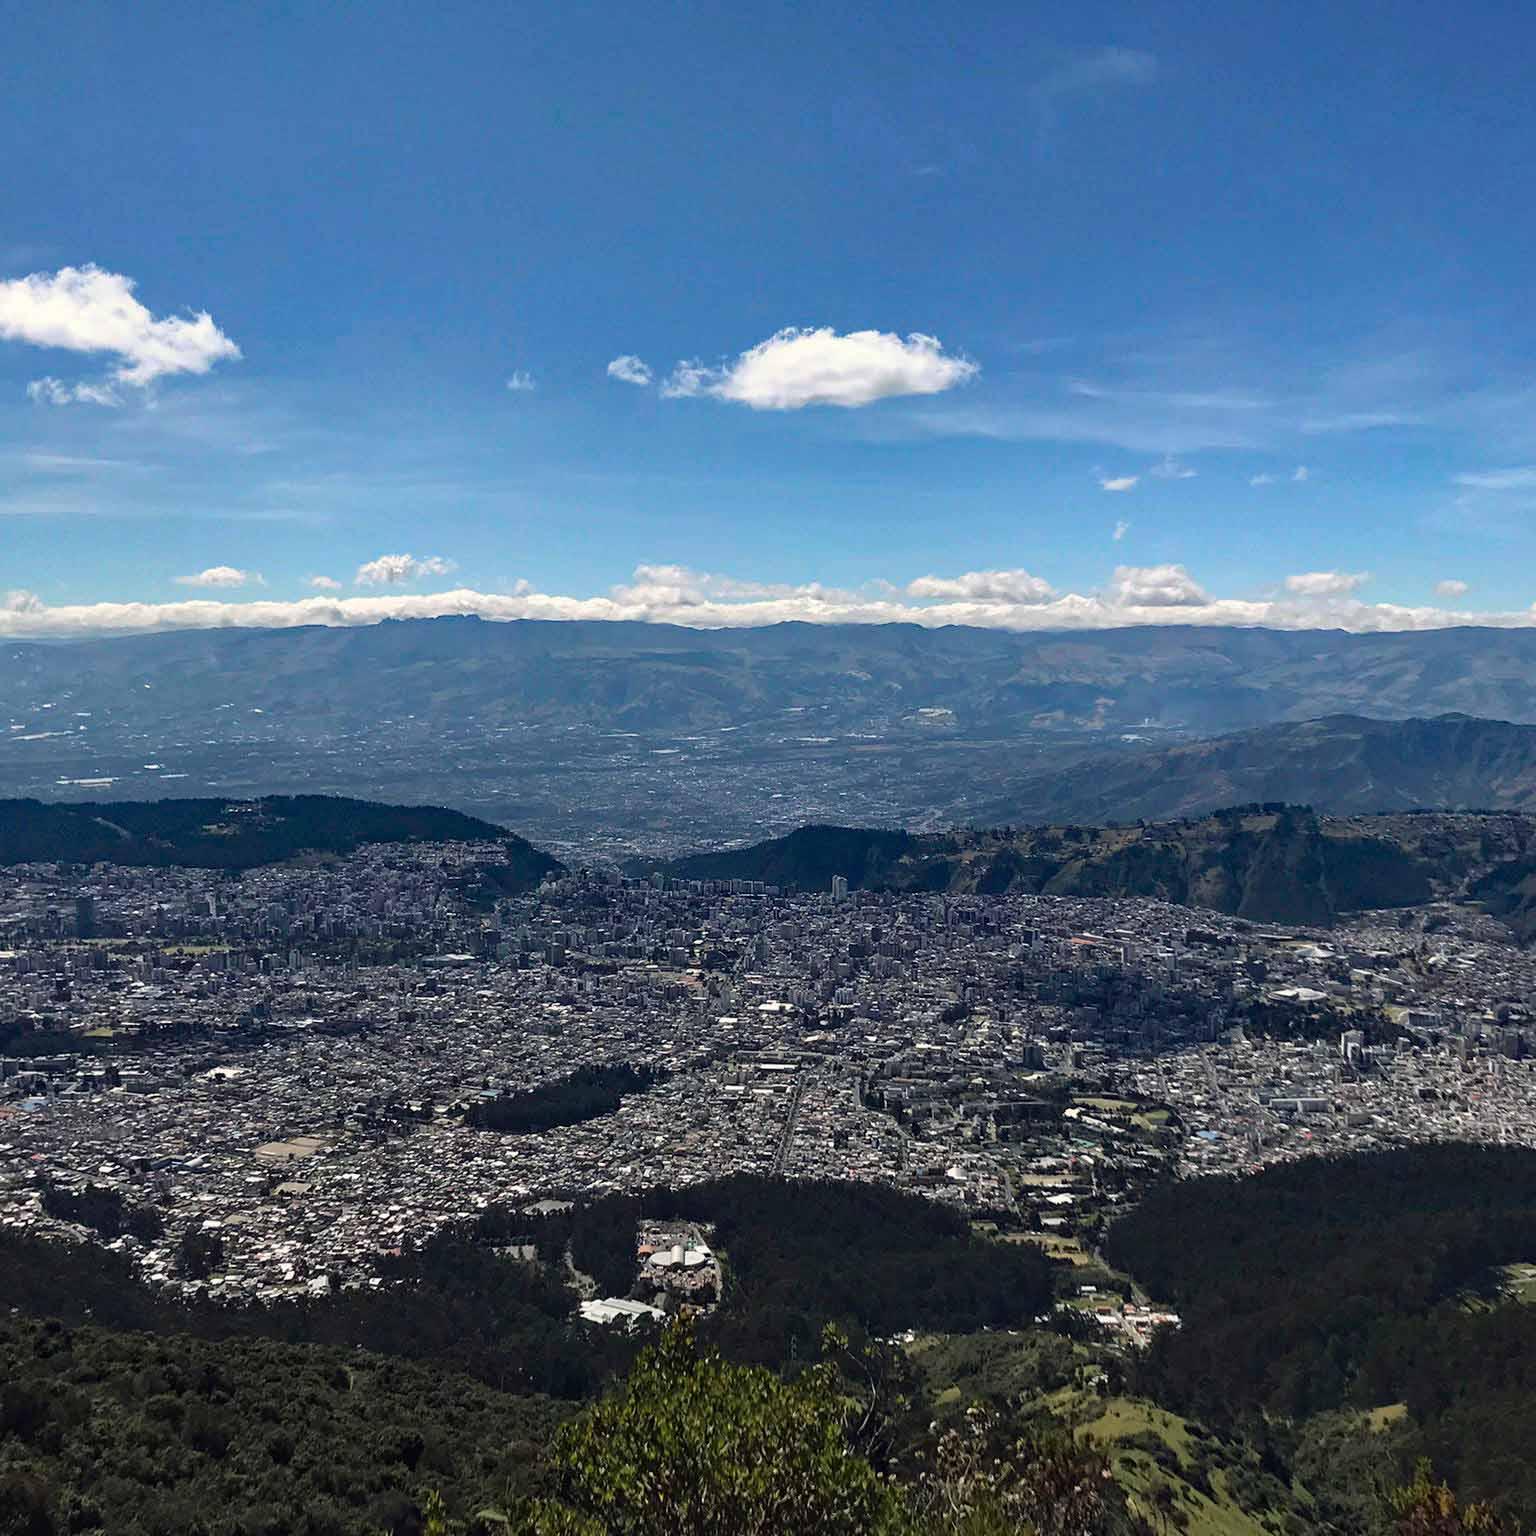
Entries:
{"x":292,"y":1058}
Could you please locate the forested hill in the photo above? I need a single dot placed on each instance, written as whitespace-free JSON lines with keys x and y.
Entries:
{"x":808,"y":858}
{"x":1268,"y":863}
{"x":1354,"y":1281}
{"x":239,"y":834}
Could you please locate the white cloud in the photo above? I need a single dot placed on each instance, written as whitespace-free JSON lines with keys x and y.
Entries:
{"x":985,"y":587}
{"x":677,"y":595}
{"x":629,"y":370}
{"x":800,"y":367}
{"x":1156,"y":586}
{"x":1122,"y":527}
{"x":1120,"y":483}
{"x":1500,"y":479}
{"x":396,"y":570}
{"x":522,"y":382}
{"x":324,"y":584}
{"x":1301,"y":474}
{"x":1171,"y":469}
{"x":1261,"y":480}
{"x":51,"y":391}
{"x":221,"y":576}
{"x":87,"y":309}
{"x":1326,"y":583}
{"x":1451,"y":587}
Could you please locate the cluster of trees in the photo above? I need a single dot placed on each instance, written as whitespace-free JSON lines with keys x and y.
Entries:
{"x":454,"y":1301}
{"x":580,"y":1095}
{"x":130,"y":1432}
{"x":1353,"y":1282}
{"x":105,"y":1211}
{"x":801,"y":1253}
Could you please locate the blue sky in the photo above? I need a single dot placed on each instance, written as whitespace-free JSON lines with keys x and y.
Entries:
{"x":1101,"y":313}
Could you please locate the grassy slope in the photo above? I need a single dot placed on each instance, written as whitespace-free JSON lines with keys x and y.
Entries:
{"x":1046,"y":1377}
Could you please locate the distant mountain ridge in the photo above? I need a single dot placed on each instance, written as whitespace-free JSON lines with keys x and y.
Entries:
{"x":241,"y":834}
{"x":635,"y":676}
{"x":1267,"y":863}
{"x":1342,"y":764}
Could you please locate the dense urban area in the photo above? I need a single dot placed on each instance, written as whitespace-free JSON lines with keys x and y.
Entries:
{"x":258,"y":1083}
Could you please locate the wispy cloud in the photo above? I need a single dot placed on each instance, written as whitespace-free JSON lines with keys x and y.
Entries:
{"x":1523,"y":479}
{"x":1122,"y":527}
{"x":1119,"y":483}
{"x":522,"y":382}
{"x":1086,"y":76}
{"x":1357,"y":421}
{"x":1452,"y":586}
{"x":629,"y":369}
{"x":51,"y":391}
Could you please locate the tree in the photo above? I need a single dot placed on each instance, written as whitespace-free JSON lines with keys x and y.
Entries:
{"x":981,"y":1481}
{"x":692,"y":1446}
{"x":1427,"y":1508}
{"x":201,"y":1253}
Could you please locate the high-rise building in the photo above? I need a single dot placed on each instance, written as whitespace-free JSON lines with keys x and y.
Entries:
{"x":85,"y":917}
{"x":839,"y":887}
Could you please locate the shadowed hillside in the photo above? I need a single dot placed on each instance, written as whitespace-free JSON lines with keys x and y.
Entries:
{"x":239,"y":834}
{"x":1269,"y":863}
{"x":1344,"y":764}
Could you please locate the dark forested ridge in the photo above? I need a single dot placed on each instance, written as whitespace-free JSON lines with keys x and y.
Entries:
{"x":1272,"y":863}
{"x":238,"y":834}
{"x":806,"y":859}
{"x":1351,"y":1281}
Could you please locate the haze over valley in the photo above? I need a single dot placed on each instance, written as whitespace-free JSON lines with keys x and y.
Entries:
{"x":611,"y":740}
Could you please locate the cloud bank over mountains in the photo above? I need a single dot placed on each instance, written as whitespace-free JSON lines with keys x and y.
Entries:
{"x":674,"y":594}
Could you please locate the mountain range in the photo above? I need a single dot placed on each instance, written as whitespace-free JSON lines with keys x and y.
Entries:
{"x":657,"y":677}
